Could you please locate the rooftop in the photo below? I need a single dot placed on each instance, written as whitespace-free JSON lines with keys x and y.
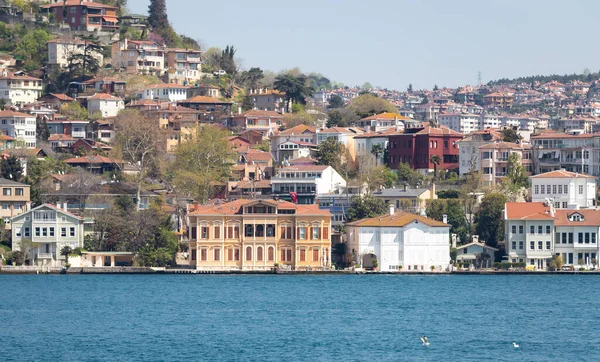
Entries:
{"x":398,"y":219}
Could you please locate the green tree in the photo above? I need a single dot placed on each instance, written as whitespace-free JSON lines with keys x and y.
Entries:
{"x":556,"y":263}
{"x":11,"y":168}
{"x":157,"y":13}
{"x":334,"y":118}
{"x":252,"y":77}
{"x":436,"y":160}
{"x":335,"y":101}
{"x":41,"y":130}
{"x":435,"y":88}
{"x":86,"y":63}
{"x":515,"y":174}
{"x":330,"y":152}
{"x":410,"y":88}
{"x":296,"y":88}
{"x":376,"y":150}
{"x":490,"y":218}
{"x":408,"y":175}
{"x":200,"y":163}
{"x":227,"y":62}
{"x":32,"y":48}
{"x":390,"y":178}
{"x":74,"y":111}
{"x":367,"y":105}
{"x":435,"y":209}
{"x":366,"y":206}
{"x":65,"y":251}
{"x":510,"y":135}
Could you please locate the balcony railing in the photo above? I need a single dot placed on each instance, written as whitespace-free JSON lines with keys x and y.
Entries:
{"x":45,"y":256}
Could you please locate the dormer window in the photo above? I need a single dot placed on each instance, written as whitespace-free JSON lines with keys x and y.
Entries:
{"x":576,"y":217}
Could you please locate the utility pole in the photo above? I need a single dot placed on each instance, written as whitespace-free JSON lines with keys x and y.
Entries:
{"x":479,"y":82}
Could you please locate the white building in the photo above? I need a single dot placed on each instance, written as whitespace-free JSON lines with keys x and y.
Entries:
{"x":460,"y":122}
{"x":468,"y":156}
{"x":49,"y":227}
{"x":567,"y":190}
{"x":60,"y":50}
{"x":305,"y":182}
{"x":400,"y":240}
{"x":20,"y":126}
{"x":106,"y":104}
{"x":164,"y":92}
{"x":19,"y":89}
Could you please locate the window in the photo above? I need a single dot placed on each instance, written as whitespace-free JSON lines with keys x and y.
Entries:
{"x":560,"y":189}
{"x":233,"y":232}
{"x":532,"y":245}
{"x":204,"y":232}
{"x":236,"y":254}
{"x":548,"y":229}
{"x":543,"y":188}
{"x":593,"y":238}
{"x":249,"y":230}
{"x":536,"y":189}
{"x":580,"y":189}
{"x":315,"y":233}
{"x":514,"y":229}
{"x":540,"y":245}
{"x":72,"y":232}
{"x":587,"y":238}
{"x":540,"y":229}
{"x":18,"y":231}
{"x":51,"y":232}
{"x":259,"y":253}
{"x":44,"y":232}
{"x":203,"y":253}
{"x":302,"y":254}
{"x":19,"y":191}
{"x":5,"y":206}
{"x":580,"y":238}
{"x":6,"y":191}
{"x":249,"y":253}
{"x":520,"y":245}
{"x":532,"y":229}
{"x":271,"y":254}
{"x":514,"y":246}
{"x":520,"y":229}
{"x":315,"y":254}
{"x":26,"y":232}
{"x":302,"y":232}
{"x":570,"y":238}
{"x":217,"y":254}
{"x":547,"y":245}
{"x":229,"y":254}
{"x":72,"y":10}
{"x":217,"y":232}
{"x":286,"y":232}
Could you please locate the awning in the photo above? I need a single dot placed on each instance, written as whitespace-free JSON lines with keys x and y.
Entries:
{"x":110,"y":19}
{"x":513,"y":255}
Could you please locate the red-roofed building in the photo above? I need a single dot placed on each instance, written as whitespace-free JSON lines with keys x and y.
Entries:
{"x":84,"y":15}
{"x":567,"y":190}
{"x":494,"y":160}
{"x":106,"y":104}
{"x":382,"y":122}
{"x":416,"y":146}
{"x":265,"y":122}
{"x":96,"y":164}
{"x":18,"y":88}
{"x":211,"y":109}
{"x":257,"y":234}
{"x":134,"y":56}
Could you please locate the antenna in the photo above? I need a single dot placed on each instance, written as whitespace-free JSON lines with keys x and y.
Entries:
{"x":479,"y":79}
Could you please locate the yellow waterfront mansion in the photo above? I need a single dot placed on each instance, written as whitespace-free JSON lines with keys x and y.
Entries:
{"x":257,"y":234}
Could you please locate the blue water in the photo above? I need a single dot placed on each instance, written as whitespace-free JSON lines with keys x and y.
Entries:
{"x":298,"y":318}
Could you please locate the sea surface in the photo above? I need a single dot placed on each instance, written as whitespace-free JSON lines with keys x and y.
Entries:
{"x":299,"y":318}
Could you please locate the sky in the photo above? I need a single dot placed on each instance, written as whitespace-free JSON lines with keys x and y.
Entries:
{"x":391,"y":43}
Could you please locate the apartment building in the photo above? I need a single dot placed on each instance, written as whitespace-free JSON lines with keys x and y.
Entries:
{"x":211,"y":109}
{"x":170,"y":92}
{"x":460,"y":122}
{"x":566,"y":190}
{"x":265,"y":122}
{"x":293,"y":142}
{"x":301,"y":184}
{"x":106,"y":104}
{"x":20,"y":126}
{"x":269,"y":100}
{"x":469,"y":158}
{"x":61,"y":49}
{"x":569,"y":151}
{"x":494,"y":160}
{"x":383,"y":122}
{"x":184,"y":66}
{"x":15,"y":200}
{"x":258,"y":234}
{"x":83,"y":15}
{"x":18,"y":88}
{"x":135,"y":56}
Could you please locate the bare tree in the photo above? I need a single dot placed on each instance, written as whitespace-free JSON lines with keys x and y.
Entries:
{"x":141,"y":141}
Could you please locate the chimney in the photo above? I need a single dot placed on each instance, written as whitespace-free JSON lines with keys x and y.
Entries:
{"x":475,"y":238}
{"x":65,"y":206}
{"x":445,"y":219}
{"x":392,"y":209}
{"x":58,"y":205}
{"x":405,"y":186}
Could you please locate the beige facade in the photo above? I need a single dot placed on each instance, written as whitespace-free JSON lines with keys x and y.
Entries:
{"x":494,"y":160}
{"x":15,"y":200}
{"x":258,"y":234}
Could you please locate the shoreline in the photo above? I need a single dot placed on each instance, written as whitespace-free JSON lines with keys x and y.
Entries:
{"x":10,"y":270}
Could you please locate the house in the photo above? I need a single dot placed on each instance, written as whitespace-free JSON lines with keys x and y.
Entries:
{"x":164,"y":92}
{"x":382,"y":122}
{"x":572,"y":151}
{"x":344,"y":135}
{"x":55,"y":100}
{"x":104,"y":85}
{"x":417,"y":145}
{"x":6,"y":142}
{"x":18,"y":88}
{"x":399,"y":241}
{"x":20,"y":126}
{"x":258,"y":234}
{"x":106,"y":104}
{"x":181,"y":123}
{"x":364,"y":144}
{"x":566,"y":190}
{"x":83,"y":15}
{"x":576,"y":237}
{"x":301,"y":184}
{"x":460,"y":122}
{"x":250,"y":189}
{"x":102,"y":129}
{"x":293,"y":142}
{"x":25,"y":155}
{"x":498,"y":99}
{"x":84,"y":146}
{"x":50,"y":228}
{"x":61,"y":49}
{"x":472,"y":253}
{"x":184,"y":66}
{"x":15,"y":200}
{"x":73,"y":128}
{"x":61,"y":141}
{"x":96,"y":164}
{"x":238,"y":142}
{"x":468,"y":149}
{"x":406,"y":198}
{"x":269,"y":100}
{"x":265,"y":122}
{"x":210,"y":109}
{"x":138,"y":56}
{"x":253,"y":136}
{"x":205,"y":90}
{"x":494,"y":160}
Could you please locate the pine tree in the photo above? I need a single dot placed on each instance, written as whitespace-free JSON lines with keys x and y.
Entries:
{"x":157,"y":14}
{"x":42,"y":131}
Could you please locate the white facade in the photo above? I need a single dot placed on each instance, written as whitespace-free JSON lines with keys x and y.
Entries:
{"x":51,"y":229}
{"x":567,"y":190}
{"x":460,"y":122}
{"x":417,"y":245}
{"x":20,"y":89}
{"x":59,"y":51}
{"x":20,"y":126}
{"x":106,"y":104}
{"x":307,"y":181}
{"x":164,"y":92}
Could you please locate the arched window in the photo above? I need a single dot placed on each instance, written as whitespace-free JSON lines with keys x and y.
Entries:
{"x":259,"y":253}
{"x":248,"y":253}
{"x":271,"y":254}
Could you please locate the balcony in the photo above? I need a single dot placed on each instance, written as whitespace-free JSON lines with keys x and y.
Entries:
{"x":500,"y":174}
{"x":45,"y":256}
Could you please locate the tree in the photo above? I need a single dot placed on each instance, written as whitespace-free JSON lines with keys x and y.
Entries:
{"x":200,"y":163}
{"x":490,"y":218}
{"x":296,"y":88}
{"x":408,"y":175}
{"x":510,"y":135}
{"x":367,"y":105}
{"x":376,"y":150}
{"x":515,"y":175}
{"x":252,"y":77}
{"x":26,"y":246}
{"x":65,"y":251}
{"x":81,"y":64}
{"x":141,"y":141}
{"x":556,"y":263}
{"x":410,"y":88}
{"x":335,"y":101}
{"x":157,"y":13}
{"x":390,"y":177}
{"x":468,"y":189}
{"x":11,"y":168}
{"x":365,"y":206}
{"x":330,"y":152}
{"x":436,"y":160}
{"x":33,"y":49}
{"x":227,"y":62}
{"x":334,"y":118}
{"x":74,"y":111}
{"x":435,"y":88}
{"x":41,"y":129}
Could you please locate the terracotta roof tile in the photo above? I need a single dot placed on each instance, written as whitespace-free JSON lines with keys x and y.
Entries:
{"x":527,"y":211}
{"x":562,"y":174}
{"x":398,"y":219}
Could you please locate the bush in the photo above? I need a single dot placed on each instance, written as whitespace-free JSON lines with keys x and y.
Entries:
{"x":17,"y":257}
{"x":507,"y":265}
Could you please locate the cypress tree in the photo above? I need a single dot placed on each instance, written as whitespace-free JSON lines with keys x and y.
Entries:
{"x":157,"y":14}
